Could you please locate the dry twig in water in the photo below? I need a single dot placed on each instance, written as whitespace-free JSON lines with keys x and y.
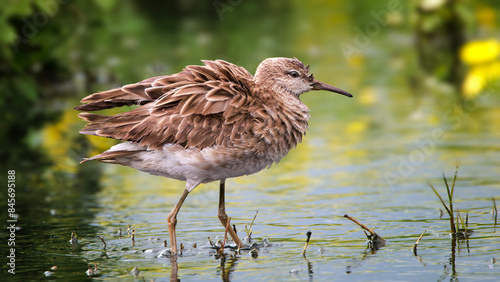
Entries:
{"x":210,"y":242}
{"x":133,"y":237}
{"x":249,"y":230}
{"x":308,"y":234}
{"x":495,"y":211}
{"x":73,"y":241}
{"x":418,"y":241}
{"x":102,"y":239}
{"x":374,"y":239}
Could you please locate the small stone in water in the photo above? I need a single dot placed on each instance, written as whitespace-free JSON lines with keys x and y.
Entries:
{"x":247,"y":240}
{"x":92,"y":272}
{"x":265,"y":242}
{"x":164,"y":253}
{"x":254,"y":253}
{"x":135,"y":271}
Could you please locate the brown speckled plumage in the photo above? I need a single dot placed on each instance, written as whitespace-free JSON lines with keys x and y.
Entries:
{"x":206,"y":123}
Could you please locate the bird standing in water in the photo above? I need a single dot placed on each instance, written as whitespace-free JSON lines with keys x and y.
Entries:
{"x":206,"y":123}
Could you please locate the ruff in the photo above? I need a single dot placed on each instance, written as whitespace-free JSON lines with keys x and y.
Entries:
{"x":206,"y":123}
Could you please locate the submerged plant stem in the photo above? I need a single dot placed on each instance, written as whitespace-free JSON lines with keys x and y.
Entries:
{"x":418,"y":241}
{"x":102,"y":239}
{"x":308,"y":234}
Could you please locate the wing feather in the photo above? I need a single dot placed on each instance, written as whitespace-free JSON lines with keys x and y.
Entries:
{"x":196,"y":108}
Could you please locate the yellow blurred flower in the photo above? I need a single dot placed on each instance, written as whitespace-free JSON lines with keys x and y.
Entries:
{"x":478,"y":76}
{"x":477,"y":52}
{"x":472,"y":85}
{"x":58,"y":142}
{"x":57,"y":138}
{"x":484,"y":59}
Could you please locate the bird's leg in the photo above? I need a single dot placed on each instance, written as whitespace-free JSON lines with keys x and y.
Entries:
{"x":172,"y":221}
{"x":223,"y":216}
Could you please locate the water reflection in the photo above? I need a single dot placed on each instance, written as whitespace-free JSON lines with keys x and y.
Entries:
{"x":226,"y":268}
{"x":174,"y":269}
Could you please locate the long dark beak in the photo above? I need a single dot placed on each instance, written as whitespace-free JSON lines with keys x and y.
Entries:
{"x":318,"y":85}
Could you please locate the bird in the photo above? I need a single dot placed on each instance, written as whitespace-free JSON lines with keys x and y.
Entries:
{"x":206,"y":123}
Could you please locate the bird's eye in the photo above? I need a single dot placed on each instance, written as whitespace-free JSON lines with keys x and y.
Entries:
{"x":293,"y":73}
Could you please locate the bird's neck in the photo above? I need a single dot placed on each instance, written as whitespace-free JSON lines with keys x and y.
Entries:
{"x":281,"y":124}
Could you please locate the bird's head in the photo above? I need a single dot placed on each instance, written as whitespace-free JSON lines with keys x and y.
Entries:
{"x":290,"y":75}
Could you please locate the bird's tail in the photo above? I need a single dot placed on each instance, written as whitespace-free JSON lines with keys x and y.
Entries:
{"x":118,"y":153}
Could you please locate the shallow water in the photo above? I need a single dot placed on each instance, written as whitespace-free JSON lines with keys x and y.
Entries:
{"x":350,"y":163}
{"x":371,"y":157}
{"x":329,"y":175}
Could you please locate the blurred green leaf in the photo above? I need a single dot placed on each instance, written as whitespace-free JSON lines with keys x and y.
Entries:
{"x":7,"y":32}
{"x":17,"y":8}
{"x":27,"y":89}
{"x":105,"y":5}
